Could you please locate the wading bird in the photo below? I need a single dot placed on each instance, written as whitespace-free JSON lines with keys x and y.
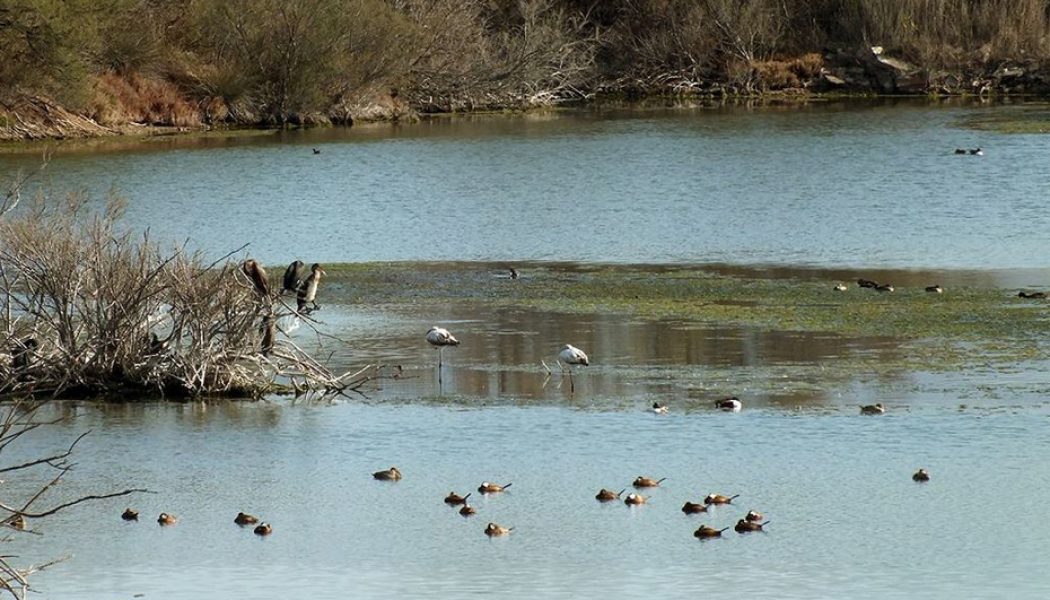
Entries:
{"x":439,"y":338}
{"x":571,"y":355}
{"x":293,"y":277}
{"x":308,"y":291}
{"x":257,"y":275}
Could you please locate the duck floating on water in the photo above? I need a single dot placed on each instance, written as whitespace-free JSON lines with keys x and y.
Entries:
{"x":493,"y":530}
{"x":492,"y":488}
{"x":921,"y":475}
{"x":245,"y":519}
{"x":660,"y":409}
{"x":635,"y":499}
{"x":745,"y":526}
{"x":130,"y":515}
{"x":391,"y":474}
{"x":454,"y":499}
{"x":165,"y":519}
{"x":731,"y":404}
{"x":873,"y":409}
{"x":647,"y":482}
{"x":691,"y":508}
{"x":753,"y":516}
{"x":605,"y":495}
{"x":935,"y":289}
{"x":263,"y":529}
{"x":706,"y":532}
{"x":720,"y":499}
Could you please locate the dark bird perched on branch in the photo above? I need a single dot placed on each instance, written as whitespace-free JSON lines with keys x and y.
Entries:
{"x":22,"y":356}
{"x":257,"y":275}
{"x":293,"y":277}
{"x":308,"y":291}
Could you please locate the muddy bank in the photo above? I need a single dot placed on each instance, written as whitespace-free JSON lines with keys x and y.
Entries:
{"x":138,"y":105}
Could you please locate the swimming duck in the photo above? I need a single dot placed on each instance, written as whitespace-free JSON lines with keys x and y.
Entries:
{"x":976,"y":152}
{"x":706,"y":532}
{"x":753,"y":516}
{"x":454,"y":499}
{"x":263,"y":529}
{"x":245,"y":519}
{"x":316,"y":151}
{"x":960,"y":151}
{"x":884,"y":287}
{"x":391,"y":474}
{"x":866,"y":283}
{"x":493,"y":529}
{"x":731,"y":404}
{"x":16,"y":522}
{"x":935,"y":289}
{"x":1034,"y":295}
{"x":467,"y":510}
{"x":166,"y":519}
{"x":635,"y":499}
{"x":873,"y":409}
{"x":921,"y":475}
{"x":840,"y":287}
{"x":130,"y":515}
{"x":660,"y":409}
{"x":605,"y":495}
{"x":720,"y":499}
{"x":646,"y":482}
{"x":691,"y":508}
{"x":492,"y":488}
{"x":745,"y":526}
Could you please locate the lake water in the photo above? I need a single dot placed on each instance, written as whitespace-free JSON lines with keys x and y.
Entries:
{"x":823,"y":187}
{"x":858,"y":184}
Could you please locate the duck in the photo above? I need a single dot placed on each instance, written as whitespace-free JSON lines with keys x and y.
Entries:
{"x":16,"y":522}
{"x":873,"y":409}
{"x":1033,"y":295}
{"x":705,"y":532}
{"x":492,"y":530}
{"x":316,"y":151}
{"x":605,"y":495}
{"x":921,"y":475}
{"x":454,"y":499}
{"x":840,"y":287}
{"x":130,"y":515}
{"x":691,"y":508}
{"x":935,"y":289}
{"x":263,"y":529}
{"x":165,"y":519}
{"x":745,"y":526}
{"x":884,"y":287}
{"x":647,"y":482}
{"x":467,"y":510}
{"x":961,"y":151}
{"x":720,"y":499}
{"x":635,"y":499}
{"x":753,"y":516}
{"x":492,"y":488}
{"x":245,"y":519}
{"x":391,"y":474}
{"x":660,"y":409}
{"x":866,"y":283}
{"x":731,"y":404}
{"x":976,"y":152}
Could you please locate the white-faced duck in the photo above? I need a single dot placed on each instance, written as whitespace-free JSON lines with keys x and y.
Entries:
{"x":130,"y":515}
{"x":165,"y":519}
{"x":454,"y":499}
{"x":921,"y":475}
{"x":873,"y":409}
{"x":840,"y":287}
{"x":635,"y":499}
{"x":263,"y":529}
{"x":660,"y":409}
{"x":753,"y":516}
{"x":245,"y":519}
{"x":391,"y":474}
{"x":745,"y":526}
{"x":492,"y":488}
{"x":691,"y":508}
{"x":467,"y":510}
{"x":1032,"y":295}
{"x":731,"y":404}
{"x":866,"y":283}
{"x":647,"y":482}
{"x":884,"y":287}
{"x":492,"y":530}
{"x":935,"y":289}
{"x":605,"y":495}
{"x":720,"y":499}
{"x":706,"y":532}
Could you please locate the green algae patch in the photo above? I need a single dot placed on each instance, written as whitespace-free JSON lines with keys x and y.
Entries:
{"x":1029,"y":119}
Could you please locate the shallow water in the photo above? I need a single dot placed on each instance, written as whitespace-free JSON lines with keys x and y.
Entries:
{"x":845,"y":184}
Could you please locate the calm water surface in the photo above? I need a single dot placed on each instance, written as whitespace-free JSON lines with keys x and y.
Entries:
{"x":873,"y":186}
{"x":855,"y":184}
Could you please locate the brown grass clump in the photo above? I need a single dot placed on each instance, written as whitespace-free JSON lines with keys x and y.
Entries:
{"x":133,"y":98}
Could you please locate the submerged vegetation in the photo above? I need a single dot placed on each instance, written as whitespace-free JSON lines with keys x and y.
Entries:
{"x":81,"y":67}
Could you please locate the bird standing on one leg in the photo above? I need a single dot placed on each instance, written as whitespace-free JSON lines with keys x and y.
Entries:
{"x":571,"y":355}
{"x":440,"y":337}
{"x":308,"y":291}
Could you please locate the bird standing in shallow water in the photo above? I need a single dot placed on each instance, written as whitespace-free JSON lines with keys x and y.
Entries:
{"x":439,"y":338}
{"x":308,"y":292}
{"x":569,"y":356}
{"x":293,"y":277}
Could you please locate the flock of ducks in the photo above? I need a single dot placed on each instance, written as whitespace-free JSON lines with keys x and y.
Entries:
{"x":168,"y":520}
